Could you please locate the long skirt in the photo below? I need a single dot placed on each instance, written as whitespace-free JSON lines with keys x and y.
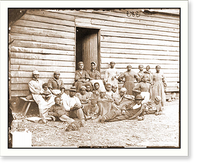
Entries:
{"x":43,"y":105}
{"x":158,"y":90}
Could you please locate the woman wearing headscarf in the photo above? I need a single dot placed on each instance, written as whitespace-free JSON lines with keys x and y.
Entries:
{"x":130,"y":77}
{"x":35,"y":87}
{"x":158,"y":85}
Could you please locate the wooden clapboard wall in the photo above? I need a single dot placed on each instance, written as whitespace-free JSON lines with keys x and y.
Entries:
{"x":45,"y":40}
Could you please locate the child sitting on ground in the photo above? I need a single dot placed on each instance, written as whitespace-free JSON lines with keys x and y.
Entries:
{"x":46,"y":94}
{"x":154,"y":107}
{"x":57,"y":112}
{"x":109,"y":92}
{"x":91,"y":110}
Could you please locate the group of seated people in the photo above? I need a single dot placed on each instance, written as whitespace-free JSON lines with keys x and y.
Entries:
{"x":93,"y":98}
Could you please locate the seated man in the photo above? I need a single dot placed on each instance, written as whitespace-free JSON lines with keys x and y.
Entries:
{"x":82,"y":78}
{"x":93,"y":73}
{"x":73,"y":105}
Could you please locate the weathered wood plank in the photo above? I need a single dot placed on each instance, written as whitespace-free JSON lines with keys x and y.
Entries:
{"x":49,"y":14}
{"x":42,"y":32}
{"x":20,"y":93}
{"x":24,"y":74}
{"x":40,"y":38}
{"x":129,"y":40}
{"x":40,"y":68}
{"x":28,"y":23}
{"x":142,"y":47}
{"x":16,"y":61}
{"x":26,"y":80}
{"x":137,"y":51}
{"x":42,"y":57}
{"x":139,"y":57}
{"x":48,"y":20}
{"x":41,"y":51}
{"x":31,"y":44}
{"x":138,"y":61}
{"x":142,"y":36}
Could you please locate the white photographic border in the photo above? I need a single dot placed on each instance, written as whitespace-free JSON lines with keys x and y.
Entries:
{"x":182,"y":151}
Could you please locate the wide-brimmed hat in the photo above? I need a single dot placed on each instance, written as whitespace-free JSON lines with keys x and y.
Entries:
{"x":72,"y":89}
{"x":139,"y":97}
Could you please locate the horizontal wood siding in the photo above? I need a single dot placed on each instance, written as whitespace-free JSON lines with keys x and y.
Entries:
{"x":45,"y":40}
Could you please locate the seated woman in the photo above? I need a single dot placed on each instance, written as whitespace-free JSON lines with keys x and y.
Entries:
{"x":35,"y":87}
{"x":56,"y":85}
{"x":83,"y":96}
{"x":82,"y":78}
{"x":95,"y":75}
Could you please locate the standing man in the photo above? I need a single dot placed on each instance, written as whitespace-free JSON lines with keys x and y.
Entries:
{"x":56,"y":85}
{"x":82,"y":78}
{"x":111,"y":75}
{"x":130,"y":77}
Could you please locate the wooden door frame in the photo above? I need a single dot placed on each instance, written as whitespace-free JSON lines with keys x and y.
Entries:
{"x":98,"y":43}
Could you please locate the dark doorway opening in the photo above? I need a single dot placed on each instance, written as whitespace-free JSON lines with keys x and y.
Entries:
{"x":87,"y":47}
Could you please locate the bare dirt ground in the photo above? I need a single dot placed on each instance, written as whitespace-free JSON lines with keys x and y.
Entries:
{"x":153,"y":131}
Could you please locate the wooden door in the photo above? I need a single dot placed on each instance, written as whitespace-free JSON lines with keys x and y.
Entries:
{"x":89,"y":49}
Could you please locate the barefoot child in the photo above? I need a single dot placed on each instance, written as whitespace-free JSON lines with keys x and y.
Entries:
{"x":58,"y":112}
{"x":154,"y":107}
{"x":46,"y":94}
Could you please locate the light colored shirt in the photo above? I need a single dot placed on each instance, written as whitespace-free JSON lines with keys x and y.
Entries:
{"x":69,"y":102}
{"x":35,"y":86}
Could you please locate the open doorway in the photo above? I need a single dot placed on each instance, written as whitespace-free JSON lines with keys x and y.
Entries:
{"x":87,"y":47}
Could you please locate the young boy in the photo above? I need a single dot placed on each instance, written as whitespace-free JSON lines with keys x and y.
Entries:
{"x":141,"y":72}
{"x":144,"y":87}
{"x":83,"y":95}
{"x":92,"y":110}
{"x":46,"y":94}
{"x":58,"y":112}
{"x":154,"y":107}
{"x":109,"y":92}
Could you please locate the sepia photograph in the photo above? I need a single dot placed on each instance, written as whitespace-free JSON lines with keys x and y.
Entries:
{"x":91,"y":78}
